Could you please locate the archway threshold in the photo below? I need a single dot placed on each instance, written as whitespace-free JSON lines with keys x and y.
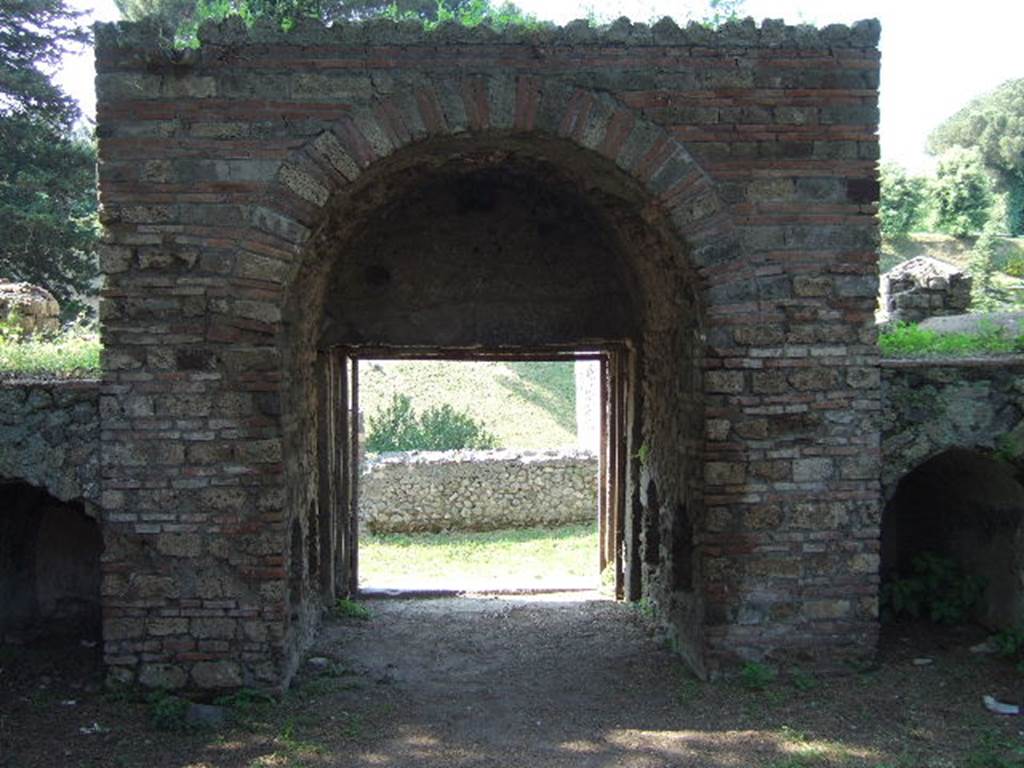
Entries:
{"x":431,"y":594}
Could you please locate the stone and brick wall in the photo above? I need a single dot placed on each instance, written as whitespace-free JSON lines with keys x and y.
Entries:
{"x":729,"y":180}
{"x":477,"y":490}
{"x":50,"y":437}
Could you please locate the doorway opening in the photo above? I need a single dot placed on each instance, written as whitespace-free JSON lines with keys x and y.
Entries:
{"x":517,"y":509}
{"x":951,"y":544}
{"x":49,"y":568}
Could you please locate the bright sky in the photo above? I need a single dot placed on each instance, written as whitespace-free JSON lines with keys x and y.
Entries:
{"x":936,"y":55}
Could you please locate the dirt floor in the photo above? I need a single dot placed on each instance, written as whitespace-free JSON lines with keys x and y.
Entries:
{"x":557,"y":680}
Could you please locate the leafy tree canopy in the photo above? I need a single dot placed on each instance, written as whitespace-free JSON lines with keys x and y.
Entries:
{"x":962,"y":191}
{"x":34,"y":35}
{"x":994,"y":125}
{"x":47,"y":187}
{"x":901,"y":207}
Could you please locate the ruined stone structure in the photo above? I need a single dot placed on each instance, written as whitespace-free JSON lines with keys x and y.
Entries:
{"x":924,"y":287}
{"x":703,"y":200}
{"x":477,"y":490}
{"x":32,"y":309}
{"x":50,"y":541}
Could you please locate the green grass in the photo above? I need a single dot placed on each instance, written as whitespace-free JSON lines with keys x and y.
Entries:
{"x":73,"y":353}
{"x":523,"y":404}
{"x":913,"y":341}
{"x":346,"y":608}
{"x":524,"y":557}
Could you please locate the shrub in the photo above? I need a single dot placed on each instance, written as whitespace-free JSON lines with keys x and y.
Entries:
{"x":440,"y":428}
{"x":395,"y":428}
{"x":443,"y":428}
{"x":937,"y":588}
{"x":982,"y":268}
{"x":756,"y":676}
{"x":167,"y":712}
{"x":1014,"y":266}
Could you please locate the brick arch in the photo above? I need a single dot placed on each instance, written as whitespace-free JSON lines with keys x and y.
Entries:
{"x":324,"y":188}
{"x":675,"y":185}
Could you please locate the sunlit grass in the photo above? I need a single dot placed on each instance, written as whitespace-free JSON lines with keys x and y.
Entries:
{"x":523,"y":404}
{"x":75,"y":352}
{"x":525,"y":558}
{"x":913,"y":341}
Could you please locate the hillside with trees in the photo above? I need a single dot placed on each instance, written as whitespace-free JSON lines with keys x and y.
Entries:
{"x":971,"y":212}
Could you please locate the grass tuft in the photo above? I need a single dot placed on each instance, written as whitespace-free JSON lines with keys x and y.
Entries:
{"x":907,"y":340}
{"x":73,"y":353}
{"x":346,"y":608}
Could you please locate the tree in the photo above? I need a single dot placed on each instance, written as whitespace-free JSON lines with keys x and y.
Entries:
{"x":963,"y":194}
{"x":902,"y":198}
{"x":982,"y":268}
{"x":47,"y":195}
{"x":994,"y":125}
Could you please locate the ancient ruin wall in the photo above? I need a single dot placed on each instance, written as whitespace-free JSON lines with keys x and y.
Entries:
{"x":477,"y":490}
{"x":931,"y":405}
{"x":50,"y":437}
{"x":735,"y":172}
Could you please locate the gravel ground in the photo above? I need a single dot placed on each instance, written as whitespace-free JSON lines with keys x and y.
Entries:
{"x":553,"y":680}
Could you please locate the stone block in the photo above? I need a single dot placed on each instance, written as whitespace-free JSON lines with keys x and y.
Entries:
{"x":725,"y":472}
{"x":826,"y":609}
{"x":725,"y":382}
{"x":217,"y":674}
{"x":813,"y":470}
{"x":164,"y":676}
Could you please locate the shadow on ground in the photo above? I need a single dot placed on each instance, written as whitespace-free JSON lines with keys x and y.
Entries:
{"x":545,"y":681}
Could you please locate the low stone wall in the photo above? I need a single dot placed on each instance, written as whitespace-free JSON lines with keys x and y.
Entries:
{"x":49,"y":437}
{"x":476,"y":490}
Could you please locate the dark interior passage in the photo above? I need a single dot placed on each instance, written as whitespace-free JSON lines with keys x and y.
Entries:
{"x":966,"y":506}
{"x":49,"y":566}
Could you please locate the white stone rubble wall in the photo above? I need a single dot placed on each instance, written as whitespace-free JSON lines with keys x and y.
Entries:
{"x":424,"y":491}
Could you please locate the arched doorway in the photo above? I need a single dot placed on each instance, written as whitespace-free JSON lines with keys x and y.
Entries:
{"x":965,"y":507}
{"x":49,"y":567}
{"x":494,"y":246}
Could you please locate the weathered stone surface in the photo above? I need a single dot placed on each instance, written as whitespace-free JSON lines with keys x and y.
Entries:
{"x":49,"y":437}
{"x":217,"y":674}
{"x":932,"y":405}
{"x":924,"y":287}
{"x":33,"y":309}
{"x":477,"y":490}
{"x":166,"y":676}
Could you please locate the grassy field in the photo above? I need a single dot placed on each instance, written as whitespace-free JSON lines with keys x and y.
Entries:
{"x":74,"y":353}
{"x":530,"y":557}
{"x":524,"y":404}
{"x":912,"y":341}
